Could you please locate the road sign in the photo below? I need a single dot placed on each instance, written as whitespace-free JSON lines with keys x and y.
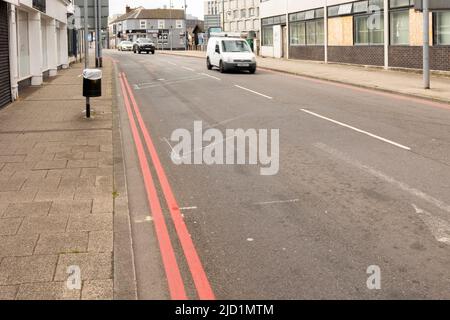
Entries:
{"x":434,"y":5}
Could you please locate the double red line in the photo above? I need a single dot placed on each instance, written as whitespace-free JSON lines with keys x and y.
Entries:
{"x":172,"y":270}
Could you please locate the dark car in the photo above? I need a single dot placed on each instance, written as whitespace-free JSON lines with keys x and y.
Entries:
{"x":144,"y":45}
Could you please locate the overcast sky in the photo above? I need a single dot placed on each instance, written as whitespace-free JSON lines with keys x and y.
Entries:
{"x":194,"y":7}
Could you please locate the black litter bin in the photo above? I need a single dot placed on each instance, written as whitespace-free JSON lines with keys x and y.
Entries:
{"x":92,"y":83}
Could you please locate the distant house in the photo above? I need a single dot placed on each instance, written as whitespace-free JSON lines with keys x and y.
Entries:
{"x":165,"y":27}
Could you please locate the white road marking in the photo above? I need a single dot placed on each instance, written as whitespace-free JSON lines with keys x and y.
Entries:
{"x":210,"y":76}
{"x":438,"y":227}
{"x":146,"y":219}
{"x":357,"y":130}
{"x":250,"y":239}
{"x":380,"y":175}
{"x":167,"y":82}
{"x":189,"y":208}
{"x":255,"y":92}
{"x":171,"y":63}
{"x":277,"y":202}
{"x":189,"y":69}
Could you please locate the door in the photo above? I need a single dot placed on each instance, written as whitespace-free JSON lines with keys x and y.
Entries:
{"x":5,"y":80}
{"x":215,"y":60}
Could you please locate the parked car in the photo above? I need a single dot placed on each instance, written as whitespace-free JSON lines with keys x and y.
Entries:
{"x":125,"y":46}
{"x":230,"y":53}
{"x":144,"y":45}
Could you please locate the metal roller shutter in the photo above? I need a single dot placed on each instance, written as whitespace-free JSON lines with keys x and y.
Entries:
{"x":5,"y":80}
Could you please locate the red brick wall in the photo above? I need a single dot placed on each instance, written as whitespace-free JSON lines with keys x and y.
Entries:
{"x":411,"y":57}
{"x":307,"y":53}
{"x":365,"y":55}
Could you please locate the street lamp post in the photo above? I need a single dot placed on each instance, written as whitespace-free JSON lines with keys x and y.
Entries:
{"x":170,"y":30}
{"x":185,"y":27}
{"x":426,"y":45}
{"x":223,"y":15}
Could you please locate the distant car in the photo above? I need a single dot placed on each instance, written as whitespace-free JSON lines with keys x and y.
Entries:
{"x":144,"y":45}
{"x":125,"y":46}
{"x":230,"y":53}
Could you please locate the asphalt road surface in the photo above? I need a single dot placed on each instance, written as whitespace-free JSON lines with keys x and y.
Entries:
{"x":363,"y":181}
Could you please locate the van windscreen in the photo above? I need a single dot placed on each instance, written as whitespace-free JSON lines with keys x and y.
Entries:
{"x":235,"y":46}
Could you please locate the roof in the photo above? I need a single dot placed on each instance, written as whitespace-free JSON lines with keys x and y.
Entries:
{"x":142,"y":14}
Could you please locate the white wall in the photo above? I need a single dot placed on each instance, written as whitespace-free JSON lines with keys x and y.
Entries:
{"x":278,"y":7}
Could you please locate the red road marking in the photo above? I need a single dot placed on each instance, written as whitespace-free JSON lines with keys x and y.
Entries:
{"x":198,"y":273}
{"x":175,"y":282}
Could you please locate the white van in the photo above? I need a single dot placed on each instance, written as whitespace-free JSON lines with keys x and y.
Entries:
{"x":230,"y":53}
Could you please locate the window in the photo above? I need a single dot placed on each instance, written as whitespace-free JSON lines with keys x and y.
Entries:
{"x":345,"y":8}
{"x":243,"y":13}
{"x":369,"y":29}
{"x":361,"y":7}
{"x":400,"y":27}
{"x":179,"y":24}
{"x":23,"y":43}
{"x":161,"y":24}
{"x":267,"y":36}
{"x":143,"y":24}
{"x":400,"y":3}
{"x":442,"y":28}
{"x":297,"y":33}
{"x":307,"y":33}
{"x":310,"y":32}
{"x":235,"y":46}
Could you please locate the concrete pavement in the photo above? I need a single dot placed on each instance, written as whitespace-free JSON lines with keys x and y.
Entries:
{"x":400,"y":82}
{"x":57,"y":191}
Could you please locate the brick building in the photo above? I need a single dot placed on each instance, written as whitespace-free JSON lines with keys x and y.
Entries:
{"x":371,"y":32}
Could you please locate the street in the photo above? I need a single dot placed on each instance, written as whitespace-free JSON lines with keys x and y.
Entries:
{"x":363,"y":181}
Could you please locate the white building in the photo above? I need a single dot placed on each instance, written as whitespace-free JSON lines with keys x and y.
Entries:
{"x":37,"y":37}
{"x":241,"y":16}
{"x":211,"y":8}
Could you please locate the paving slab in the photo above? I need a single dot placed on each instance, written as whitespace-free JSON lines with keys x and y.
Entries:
{"x":19,"y":270}
{"x":93,"y":266}
{"x":47,"y":291}
{"x":97,"y":290}
{"x":73,"y":242}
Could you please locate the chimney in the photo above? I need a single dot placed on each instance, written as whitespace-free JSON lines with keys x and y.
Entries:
{"x":127,"y":9}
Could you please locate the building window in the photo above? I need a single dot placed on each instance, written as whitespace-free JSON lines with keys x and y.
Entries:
{"x":297,"y":33}
{"x":307,"y":27}
{"x":161,"y":24}
{"x":307,"y":33}
{"x":23,"y":44}
{"x":442,"y":28}
{"x":267,"y":36}
{"x":400,"y":27}
{"x":143,"y":24}
{"x":179,"y":24}
{"x":369,"y":29}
